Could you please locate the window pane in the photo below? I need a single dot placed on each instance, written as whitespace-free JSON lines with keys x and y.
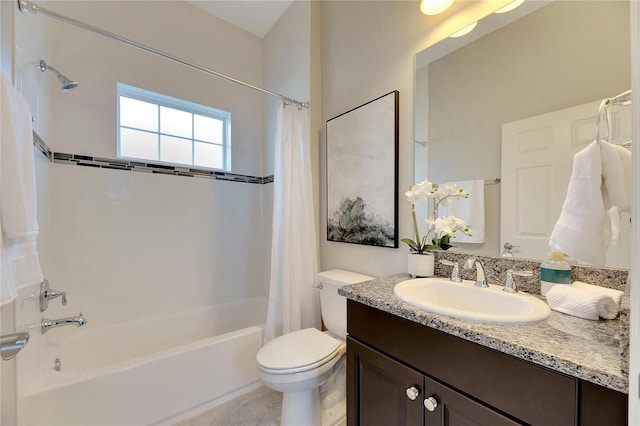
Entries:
{"x":138,"y":144}
{"x":175,"y":150}
{"x":207,"y":129}
{"x":207,"y":155}
{"x":175,"y":122}
{"x":138,"y":114}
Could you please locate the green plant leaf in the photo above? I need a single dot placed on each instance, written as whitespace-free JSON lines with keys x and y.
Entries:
{"x":411,"y":244}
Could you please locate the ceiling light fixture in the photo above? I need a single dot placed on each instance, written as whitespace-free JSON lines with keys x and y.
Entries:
{"x":466,"y":30}
{"x":510,"y":6}
{"x":434,"y":7}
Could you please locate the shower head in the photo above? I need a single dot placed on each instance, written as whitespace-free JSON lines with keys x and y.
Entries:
{"x":65,"y":82}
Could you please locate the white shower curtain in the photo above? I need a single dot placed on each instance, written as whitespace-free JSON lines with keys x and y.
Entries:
{"x":293,"y":300}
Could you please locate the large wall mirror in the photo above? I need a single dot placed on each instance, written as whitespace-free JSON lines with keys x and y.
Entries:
{"x":544,"y":57}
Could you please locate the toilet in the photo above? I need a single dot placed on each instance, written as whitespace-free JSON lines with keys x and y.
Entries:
{"x":298,"y":363}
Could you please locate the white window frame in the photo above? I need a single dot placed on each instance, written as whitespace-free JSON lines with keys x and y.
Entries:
{"x":179,"y":104}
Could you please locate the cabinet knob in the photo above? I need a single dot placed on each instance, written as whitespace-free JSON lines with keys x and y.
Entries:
{"x":430,"y":403}
{"x":412,"y":393}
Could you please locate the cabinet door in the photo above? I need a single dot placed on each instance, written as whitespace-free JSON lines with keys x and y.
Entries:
{"x":455,"y":409}
{"x":377,"y":389}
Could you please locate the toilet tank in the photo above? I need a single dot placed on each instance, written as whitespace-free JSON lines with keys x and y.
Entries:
{"x":332,"y":305}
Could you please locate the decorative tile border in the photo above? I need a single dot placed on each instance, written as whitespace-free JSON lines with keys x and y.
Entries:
{"x":138,"y":166}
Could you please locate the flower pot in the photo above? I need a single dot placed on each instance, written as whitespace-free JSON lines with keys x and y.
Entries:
{"x":420,"y":265}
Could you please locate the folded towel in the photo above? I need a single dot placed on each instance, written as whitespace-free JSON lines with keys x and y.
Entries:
{"x":616,"y":295}
{"x":581,"y":302}
{"x":471,"y":210}
{"x":18,"y":211}
{"x":599,"y":180}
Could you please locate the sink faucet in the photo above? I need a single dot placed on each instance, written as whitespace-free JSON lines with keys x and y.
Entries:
{"x":47,"y":324}
{"x":481,"y":281}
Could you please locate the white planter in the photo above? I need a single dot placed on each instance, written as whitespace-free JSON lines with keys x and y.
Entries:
{"x":420,"y":265}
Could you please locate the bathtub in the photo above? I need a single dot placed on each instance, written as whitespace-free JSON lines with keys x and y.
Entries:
{"x":149,"y":371}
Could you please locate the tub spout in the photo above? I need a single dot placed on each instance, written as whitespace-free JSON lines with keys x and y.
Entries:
{"x":47,"y":324}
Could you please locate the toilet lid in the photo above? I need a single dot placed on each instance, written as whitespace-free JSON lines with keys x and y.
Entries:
{"x":298,"y":349}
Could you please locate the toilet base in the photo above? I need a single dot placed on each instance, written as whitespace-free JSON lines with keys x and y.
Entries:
{"x":301,"y":408}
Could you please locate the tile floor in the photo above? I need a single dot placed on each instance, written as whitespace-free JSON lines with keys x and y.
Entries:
{"x":260,"y":407}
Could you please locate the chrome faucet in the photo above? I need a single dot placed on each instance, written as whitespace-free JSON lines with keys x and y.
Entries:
{"x":47,"y":324}
{"x":46,"y":294}
{"x":481,"y":281}
{"x":455,"y":272}
{"x":510,"y":282}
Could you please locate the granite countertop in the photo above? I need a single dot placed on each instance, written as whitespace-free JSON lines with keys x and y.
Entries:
{"x":588,"y":350}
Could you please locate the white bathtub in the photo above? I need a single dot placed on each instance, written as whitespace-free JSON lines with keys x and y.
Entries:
{"x":150,"y":371}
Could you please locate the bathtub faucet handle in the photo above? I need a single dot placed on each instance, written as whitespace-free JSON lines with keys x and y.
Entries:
{"x":46,"y":294}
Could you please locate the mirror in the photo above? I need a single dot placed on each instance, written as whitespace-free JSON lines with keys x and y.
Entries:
{"x":540,"y":58}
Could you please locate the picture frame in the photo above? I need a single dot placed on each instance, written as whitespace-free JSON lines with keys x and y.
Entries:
{"x":362,"y":173}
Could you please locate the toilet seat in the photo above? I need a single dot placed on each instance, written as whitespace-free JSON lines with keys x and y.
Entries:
{"x":299,"y":351}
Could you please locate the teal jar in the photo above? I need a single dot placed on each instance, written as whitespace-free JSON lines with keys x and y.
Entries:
{"x":553,"y":271}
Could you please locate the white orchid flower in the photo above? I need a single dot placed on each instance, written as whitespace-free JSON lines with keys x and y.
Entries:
{"x":419,"y":192}
{"x":440,"y":229}
{"x":440,"y":225}
{"x":457,"y":223}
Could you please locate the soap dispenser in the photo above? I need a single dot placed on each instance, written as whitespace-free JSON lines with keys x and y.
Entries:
{"x":508,"y":250}
{"x":553,"y":271}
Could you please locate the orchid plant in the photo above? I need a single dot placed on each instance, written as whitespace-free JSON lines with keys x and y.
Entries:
{"x":441,"y":229}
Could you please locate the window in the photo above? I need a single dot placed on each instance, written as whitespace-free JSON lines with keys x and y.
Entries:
{"x":159,"y":128}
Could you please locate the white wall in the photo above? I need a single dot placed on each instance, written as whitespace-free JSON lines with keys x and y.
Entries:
{"x":368,"y":50}
{"x":286,"y":66}
{"x":174,"y":27}
{"x":153,"y":243}
{"x":286,"y":71}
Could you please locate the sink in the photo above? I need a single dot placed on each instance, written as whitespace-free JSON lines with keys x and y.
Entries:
{"x":465,"y":301}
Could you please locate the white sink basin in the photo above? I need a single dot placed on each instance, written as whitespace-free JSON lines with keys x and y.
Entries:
{"x":465,"y":301}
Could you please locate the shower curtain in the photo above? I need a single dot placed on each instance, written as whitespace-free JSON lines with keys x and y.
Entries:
{"x":293,"y":298}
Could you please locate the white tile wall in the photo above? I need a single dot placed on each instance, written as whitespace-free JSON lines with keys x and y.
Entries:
{"x":126,"y":245}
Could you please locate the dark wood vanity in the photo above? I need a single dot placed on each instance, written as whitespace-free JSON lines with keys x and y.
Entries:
{"x":395,"y":364}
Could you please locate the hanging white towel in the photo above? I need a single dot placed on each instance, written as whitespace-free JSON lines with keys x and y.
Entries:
{"x":600,"y":179}
{"x":581,"y":302}
{"x":18,"y":179}
{"x":616,"y":191}
{"x":471,"y":210}
{"x":18,"y":210}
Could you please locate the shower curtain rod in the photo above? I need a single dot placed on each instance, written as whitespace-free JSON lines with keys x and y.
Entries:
{"x":26,"y":6}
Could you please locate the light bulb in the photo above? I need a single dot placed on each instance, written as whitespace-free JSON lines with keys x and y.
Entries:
{"x":433,"y":7}
{"x":510,"y":6}
{"x":466,"y":30}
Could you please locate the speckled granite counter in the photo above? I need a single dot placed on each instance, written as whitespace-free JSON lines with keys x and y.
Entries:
{"x":588,"y":350}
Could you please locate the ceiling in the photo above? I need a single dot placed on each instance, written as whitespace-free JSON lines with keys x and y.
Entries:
{"x":254,"y":16}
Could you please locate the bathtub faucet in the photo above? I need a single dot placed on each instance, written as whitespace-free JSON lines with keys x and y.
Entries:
{"x":47,"y":324}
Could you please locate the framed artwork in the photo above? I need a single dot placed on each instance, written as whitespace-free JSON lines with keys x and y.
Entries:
{"x":362,"y":174}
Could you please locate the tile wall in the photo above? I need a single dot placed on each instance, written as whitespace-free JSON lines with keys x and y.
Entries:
{"x":126,"y":245}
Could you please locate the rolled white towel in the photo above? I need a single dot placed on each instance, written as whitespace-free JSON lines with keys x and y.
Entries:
{"x":581,"y":302}
{"x":616,"y":295}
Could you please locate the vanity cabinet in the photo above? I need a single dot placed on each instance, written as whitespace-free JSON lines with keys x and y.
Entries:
{"x":390,"y":393}
{"x":391,"y":360}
